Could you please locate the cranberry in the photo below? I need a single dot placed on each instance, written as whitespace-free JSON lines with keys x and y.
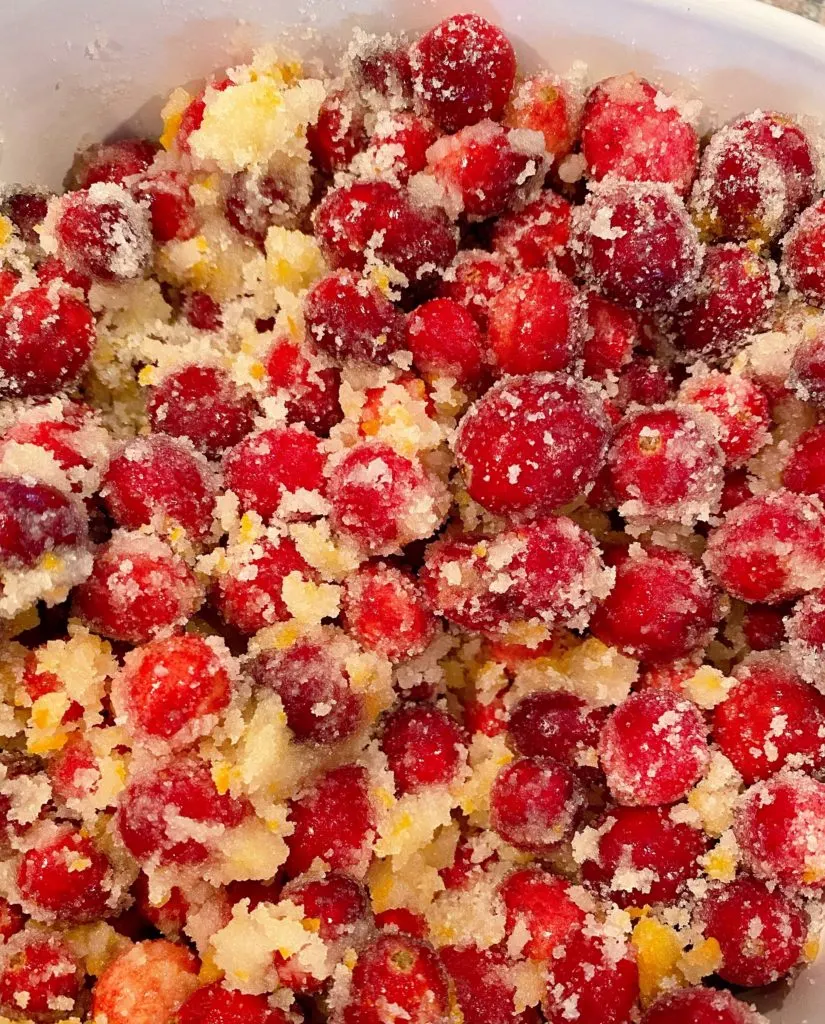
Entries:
{"x":12,"y":920}
{"x":535,"y":323}
{"x":38,"y":971}
{"x":734,"y":297}
{"x":36,"y":518}
{"x":67,"y":877}
{"x":170,"y":203}
{"x":338,"y":134}
{"x":761,"y":932}
{"x":403,"y":920}
{"x":268,"y":469}
{"x":9,"y":280}
{"x":601,"y":981}
{"x":807,"y":376}
{"x":399,"y":144}
{"x":202,"y":312}
{"x":554,"y":723}
{"x":333,"y":821}
{"x":26,"y":210}
{"x":424,"y":747}
{"x":763,"y":626}
{"x":610,"y":336}
{"x":534,"y":803}
{"x":383,"y":500}
{"x":541,"y":902}
{"x":643,"y":857}
{"x":645,"y":382}
{"x":104,"y":233}
{"x":803,"y":251}
{"x":192,"y":116}
{"x":771,"y":719}
{"x":473,"y":280}
{"x":637,"y":244}
{"x":376,"y":218}
{"x":735,"y":490}
{"x":214,"y":1004}
{"x":74,"y":772}
{"x":204,"y":405}
{"x":254,"y":203}
{"x":138,"y":589}
{"x":46,"y":339}
{"x":463,"y":71}
{"x":740,"y":410}
{"x":806,"y":630}
{"x":384,"y":610}
{"x":700,"y":1005}
{"x":52,"y":269}
{"x":350,"y":318}
{"x":114,"y":161}
{"x":320,"y":701}
{"x":771,"y":548}
{"x":147,"y":983}
{"x":170,"y":917}
{"x":59,"y":437}
{"x":155,"y":809}
{"x":308,"y":384}
{"x":382,"y":64}
{"x":537,"y":235}
{"x":804,"y":471}
{"x":155,"y":480}
{"x":446,"y":342}
{"x":401,"y":972}
{"x":633,"y":130}
{"x":483,"y":985}
{"x":531,"y":444}
{"x":548,"y":104}
{"x":653,"y":748}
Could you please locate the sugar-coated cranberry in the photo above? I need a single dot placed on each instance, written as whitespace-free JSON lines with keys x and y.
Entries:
{"x":170,"y":917}
{"x":734,"y":296}
{"x":320,"y":701}
{"x":65,"y":877}
{"x":740,"y":410}
{"x":37,"y":972}
{"x":333,"y":821}
{"x":445,"y":341}
{"x":540,"y":902}
{"x":700,"y":1005}
{"x":771,"y":548}
{"x":36,"y":518}
{"x":351,"y":318}
{"x":473,"y":280}
{"x":266,"y":470}
{"x":104,"y":233}
{"x":338,"y":134}
{"x":780,"y":829}
{"x":482,"y":171}
{"x":424,"y":747}
{"x":532,"y":444}
{"x":807,"y":376}
{"x":308,"y":383}
{"x":12,"y":920}
{"x":534,"y":323}
{"x":763,"y":626}
{"x":483,"y":984}
{"x":646,"y":381}
{"x":383,"y":500}
{"x":804,"y":471}
{"x":170,"y":203}
{"x":534,"y":803}
{"x":537,"y":235}
{"x":255,"y":202}
{"x":73,"y":770}
{"x":633,"y":130}
{"x":139,"y":588}
{"x":399,"y":143}
{"x":642,"y":856}
{"x":8,"y":282}
{"x":147,"y":983}
{"x":113,"y":161}
{"x":202,"y":312}
{"x":735,"y":490}
{"x":215,"y":1004}
{"x":53,"y":269}
{"x":157,"y":480}
{"x":770,"y":720}
{"x":376,"y":218}
{"x":554,"y":723}
{"x":385,"y":610}
{"x":402,"y":972}
{"x":46,"y":338}
{"x":157,"y":810}
{"x":26,"y":209}
{"x":611,"y":333}
{"x":662,"y":606}
{"x":463,"y":71}
{"x":760,"y":930}
{"x":665,"y":463}
{"x":599,"y":979}
{"x":403,"y":920}
{"x":806,"y":631}
{"x":548,"y":104}
{"x":59,"y":437}
{"x":653,"y":748}
{"x":637,"y":245}
{"x":803,"y":251}
{"x":204,"y":405}
{"x":382,"y":64}
{"x":192,"y":116}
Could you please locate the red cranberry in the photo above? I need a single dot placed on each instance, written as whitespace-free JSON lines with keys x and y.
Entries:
{"x":541,"y":902}
{"x":12,"y":920}
{"x":170,"y":203}
{"x":146,"y":983}
{"x":424,"y":747}
{"x":114,"y":161}
{"x":804,"y":471}
{"x":483,"y":985}
{"x":740,"y":410}
{"x":308,"y":384}
{"x":36,"y":518}
{"x":735,"y":490}
{"x":333,"y":821}
{"x":338,"y":134}
{"x":170,"y":918}
{"x":531,"y":444}
{"x":204,"y":405}
{"x":637,"y":244}
{"x":350,"y":318}
{"x":67,"y":878}
{"x":446,"y":342}
{"x":104,"y":233}
{"x":403,"y":920}
{"x":763,"y":627}
{"x":254,"y":203}
{"x":548,"y":104}
{"x":554,"y":723}
{"x":46,"y":339}
{"x":803,"y":253}
{"x":399,"y":144}
{"x":700,"y":1005}
{"x":202,"y":312}
{"x":537,"y":235}
{"x":52,"y":269}
{"x":806,"y":630}
{"x":463,"y":71}
{"x":761,"y":932}
{"x":27,"y":211}
{"x":38,"y":971}
{"x":382,"y":64}
{"x":645,"y":382}
{"x":138,"y":589}
{"x":653,"y":748}
{"x":8,"y":282}
{"x":215,"y":1004}
{"x":807,"y":376}
{"x":386,"y":612}
{"x":610,"y":336}
{"x":473,"y":280}
{"x":59,"y":437}
{"x":534,"y":803}
{"x":601,"y":981}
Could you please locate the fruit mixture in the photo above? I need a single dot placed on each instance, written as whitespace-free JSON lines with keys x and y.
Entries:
{"x":412,"y":553}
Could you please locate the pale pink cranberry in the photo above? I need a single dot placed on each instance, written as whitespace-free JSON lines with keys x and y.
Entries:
{"x":548,"y":104}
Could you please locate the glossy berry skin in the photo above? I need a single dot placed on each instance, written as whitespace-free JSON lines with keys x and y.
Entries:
{"x":771,"y":548}
{"x":643,"y":840}
{"x":215,"y":1004}
{"x":47,"y":340}
{"x":554,"y":723}
{"x":39,"y":969}
{"x":630,"y":130}
{"x":424,"y":747}
{"x":653,"y":748}
{"x":65,"y":878}
{"x":604,"y":981}
{"x":147,"y":983}
{"x":203,"y":405}
{"x":334,"y":821}
{"x":463,"y":71}
{"x":36,"y":518}
{"x":700,"y":1005}
{"x":338,"y":134}
{"x":771,"y":719}
{"x":637,"y":245}
{"x":386,"y":612}
{"x":308,"y":382}
{"x":662,"y":606}
{"x":540,"y":901}
{"x":534,"y":803}
{"x":484,"y":989}
{"x":549,"y":104}
{"x":731,"y":913}
{"x":803,"y":250}
{"x":114,"y":161}
{"x":104,"y":233}
{"x":402,"y":972}
{"x":445,"y":341}
{"x":780,"y":829}
{"x":508,"y":430}
{"x":138,"y":590}
{"x":740,"y":411}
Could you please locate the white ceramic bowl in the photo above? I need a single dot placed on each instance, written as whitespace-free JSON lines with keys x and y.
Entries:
{"x":74,"y":71}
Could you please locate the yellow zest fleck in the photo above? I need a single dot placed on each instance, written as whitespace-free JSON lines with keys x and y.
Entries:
{"x":658,"y":952}
{"x":701,"y":961}
{"x":480,"y":550}
{"x":80,"y":864}
{"x":350,"y":959}
{"x":257,"y":371}
{"x":221,"y":776}
{"x":6,"y":229}
{"x":51,"y":562}
{"x":311,"y":924}
{"x":147,"y":376}
{"x":811,"y":949}
{"x":209,"y":971}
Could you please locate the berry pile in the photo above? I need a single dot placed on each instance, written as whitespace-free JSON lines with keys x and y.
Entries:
{"x":412,"y":554}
